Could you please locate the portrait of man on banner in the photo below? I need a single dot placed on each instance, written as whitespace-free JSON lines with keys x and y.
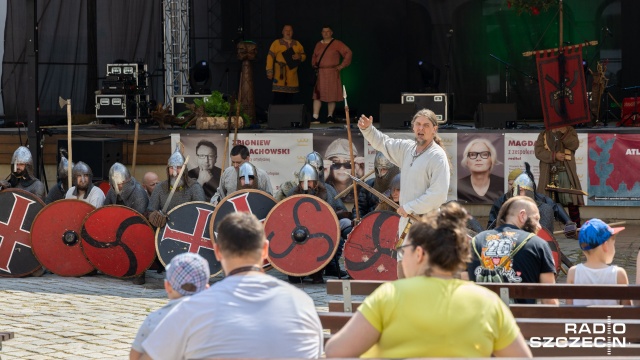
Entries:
{"x":564,"y":99}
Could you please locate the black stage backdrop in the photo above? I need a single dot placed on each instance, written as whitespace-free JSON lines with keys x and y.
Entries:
{"x":388,"y":37}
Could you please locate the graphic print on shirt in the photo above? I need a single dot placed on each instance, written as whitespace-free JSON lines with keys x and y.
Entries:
{"x":496,"y":256}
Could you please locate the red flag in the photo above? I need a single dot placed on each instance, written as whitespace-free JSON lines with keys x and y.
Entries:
{"x":568,"y":108}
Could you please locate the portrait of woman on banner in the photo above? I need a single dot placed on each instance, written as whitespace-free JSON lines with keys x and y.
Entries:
{"x":482,"y":185}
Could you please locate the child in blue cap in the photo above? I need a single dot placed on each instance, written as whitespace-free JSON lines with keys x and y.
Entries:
{"x":598,"y":243}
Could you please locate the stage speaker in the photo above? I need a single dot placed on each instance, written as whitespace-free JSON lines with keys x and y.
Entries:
{"x":99,"y":154}
{"x":396,"y":116}
{"x":496,"y":116}
{"x":288,"y":117}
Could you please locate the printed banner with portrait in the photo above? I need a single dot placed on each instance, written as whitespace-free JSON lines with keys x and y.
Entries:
{"x":205,"y":153}
{"x":614,"y":165}
{"x":335,"y":151}
{"x":481,"y":169}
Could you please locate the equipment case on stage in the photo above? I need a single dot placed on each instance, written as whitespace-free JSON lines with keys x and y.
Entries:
{"x":179,"y":102}
{"x":434,"y":102}
{"x":122,"y":106}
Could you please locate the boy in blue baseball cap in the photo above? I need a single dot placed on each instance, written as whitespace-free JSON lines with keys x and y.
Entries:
{"x":598,"y":243}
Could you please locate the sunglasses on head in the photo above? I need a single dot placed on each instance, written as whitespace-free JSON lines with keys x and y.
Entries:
{"x":336,"y":166}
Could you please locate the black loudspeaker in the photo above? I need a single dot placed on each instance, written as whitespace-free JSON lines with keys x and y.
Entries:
{"x":99,"y":154}
{"x":288,"y":117}
{"x":496,"y":116}
{"x":394,"y":116}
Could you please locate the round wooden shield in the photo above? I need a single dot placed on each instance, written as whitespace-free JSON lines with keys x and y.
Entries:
{"x":187,"y":230}
{"x":370,"y":249}
{"x":303,"y":233}
{"x":118,"y":241}
{"x":18,"y":209}
{"x":55,"y":235}
{"x":257,"y":202}
{"x":547,"y":236}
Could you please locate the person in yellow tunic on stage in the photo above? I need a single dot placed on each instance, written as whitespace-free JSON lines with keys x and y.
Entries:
{"x":282,"y":66}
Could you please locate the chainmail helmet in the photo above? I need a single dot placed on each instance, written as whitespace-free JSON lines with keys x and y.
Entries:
{"x":175,"y":160}
{"x":523,"y":182}
{"x":314,"y":159}
{"x":118,"y":174}
{"x":22,"y":155}
{"x":307,"y":173}
{"x":380,"y":163}
{"x":82,"y":169}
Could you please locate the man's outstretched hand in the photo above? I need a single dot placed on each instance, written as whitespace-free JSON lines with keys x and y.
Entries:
{"x":364,"y":122}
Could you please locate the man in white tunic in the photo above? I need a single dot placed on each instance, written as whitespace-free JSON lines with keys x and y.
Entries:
{"x":423,"y":164}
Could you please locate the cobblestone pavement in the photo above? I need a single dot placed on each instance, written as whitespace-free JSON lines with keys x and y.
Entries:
{"x":98,"y":316}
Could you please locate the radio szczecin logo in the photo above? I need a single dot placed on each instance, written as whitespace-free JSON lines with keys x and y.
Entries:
{"x":585,"y":335}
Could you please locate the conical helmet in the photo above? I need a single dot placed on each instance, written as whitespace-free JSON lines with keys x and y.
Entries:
{"x":63,"y":167}
{"x":118,"y":174}
{"x":314,"y":159}
{"x":246,"y":170}
{"x":307,"y":173}
{"x":523,"y":182}
{"x":176,"y":159}
{"x":22,"y":155}
{"x":82,"y":169}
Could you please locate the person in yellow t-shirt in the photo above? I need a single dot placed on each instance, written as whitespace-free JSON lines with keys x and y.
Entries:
{"x":431,"y":313}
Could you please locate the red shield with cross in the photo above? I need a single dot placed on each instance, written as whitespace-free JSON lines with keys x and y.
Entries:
{"x":187,"y":230}
{"x":18,"y":209}
{"x":256,"y":202}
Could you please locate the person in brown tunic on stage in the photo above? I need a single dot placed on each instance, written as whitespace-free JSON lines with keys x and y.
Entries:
{"x":326,"y":61}
{"x":556,"y":150}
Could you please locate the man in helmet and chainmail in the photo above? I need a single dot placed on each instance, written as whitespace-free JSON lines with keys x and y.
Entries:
{"x":59,"y":190}
{"x":549,"y":210}
{"x":240,"y":154}
{"x":309,"y":183}
{"x":314,"y":159}
{"x":21,"y":176}
{"x":186,"y":190}
{"x":126,"y":190}
{"x":84,"y":188}
{"x":247,"y":174}
{"x":385,"y":172}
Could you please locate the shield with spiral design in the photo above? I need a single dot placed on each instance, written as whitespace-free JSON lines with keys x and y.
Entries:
{"x":303,"y":233}
{"x":370,"y":250}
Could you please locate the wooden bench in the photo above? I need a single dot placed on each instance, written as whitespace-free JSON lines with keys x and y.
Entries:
{"x":4,"y":336}
{"x":538,"y":323}
{"x":543,"y":332}
{"x":349,"y":288}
